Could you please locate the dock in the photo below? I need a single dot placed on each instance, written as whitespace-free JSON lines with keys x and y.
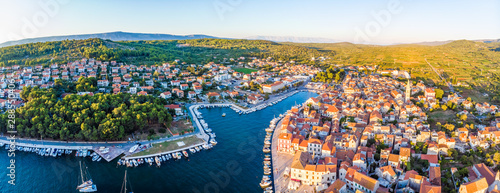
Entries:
{"x":114,"y":151}
{"x":163,"y":153}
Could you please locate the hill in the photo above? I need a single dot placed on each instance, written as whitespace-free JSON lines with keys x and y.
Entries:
{"x":473,"y":63}
{"x":115,"y":36}
{"x":196,"y":51}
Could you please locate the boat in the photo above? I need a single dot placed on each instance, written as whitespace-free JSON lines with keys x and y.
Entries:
{"x":87,"y":184}
{"x":213,"y":142}
{"x":185,"y":153}
{"x":267,"y":142}
{"x":157,"y":160}
{"x":124,"y":185}
{"x":265,"y":183}
{"x":269,"y":129}
{"x":266,"y":150}
{"x":267,"y":172}
{"x":132,"y":149}
{"x":223,"y":114}
{"x":267,"y":159}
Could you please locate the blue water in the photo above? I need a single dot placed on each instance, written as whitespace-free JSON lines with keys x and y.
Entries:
{"x":233,"y":165}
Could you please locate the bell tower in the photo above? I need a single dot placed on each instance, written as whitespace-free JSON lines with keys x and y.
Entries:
{"x":408,"y":91}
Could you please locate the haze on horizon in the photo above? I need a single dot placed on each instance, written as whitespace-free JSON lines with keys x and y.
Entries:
{"x":376,"y":22}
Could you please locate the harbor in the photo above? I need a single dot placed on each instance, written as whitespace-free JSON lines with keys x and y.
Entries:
{"x":240,"y":144}
{"x":113,"y":150}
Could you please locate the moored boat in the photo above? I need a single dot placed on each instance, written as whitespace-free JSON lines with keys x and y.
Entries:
{"x":87,"y":184}
{"x":265,"y":183}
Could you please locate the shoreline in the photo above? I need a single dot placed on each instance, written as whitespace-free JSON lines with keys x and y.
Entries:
{"x":66,"y":145}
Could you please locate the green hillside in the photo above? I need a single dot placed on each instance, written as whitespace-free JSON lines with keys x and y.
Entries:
{"x":465,"y":62}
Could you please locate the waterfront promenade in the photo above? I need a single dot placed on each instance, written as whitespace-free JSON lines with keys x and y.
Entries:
{"x":280,"y":162}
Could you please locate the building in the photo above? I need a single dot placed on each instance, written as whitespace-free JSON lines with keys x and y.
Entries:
{"x":305,"y":172}
{"x":337,"y":187}
{"x":386,"y":172}
{"x":429,"y":93}
{"x":166,"y":95}
{"x":477,"y":186}
{"x":359,"y":181}
{"x":176,"y":108}
{"x":270,"y":88}
{"x":285,"y":143}
{"x":408,"y":91}
{"x":213,"y":94}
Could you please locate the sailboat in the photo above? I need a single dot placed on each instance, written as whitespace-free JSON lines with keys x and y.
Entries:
{"x":124,"y":185}
{"x":87,"y":183}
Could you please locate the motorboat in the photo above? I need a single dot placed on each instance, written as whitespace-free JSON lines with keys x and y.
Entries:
{"x":265,"y":183}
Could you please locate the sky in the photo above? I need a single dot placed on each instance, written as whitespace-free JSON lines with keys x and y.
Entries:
{"x":370,"y":21}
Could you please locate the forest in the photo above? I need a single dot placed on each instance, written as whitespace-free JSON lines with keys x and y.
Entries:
{"x":199,"y":51}
{"x":90,"y":118}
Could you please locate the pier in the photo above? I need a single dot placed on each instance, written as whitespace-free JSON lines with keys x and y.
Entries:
{"x":163,"y":153}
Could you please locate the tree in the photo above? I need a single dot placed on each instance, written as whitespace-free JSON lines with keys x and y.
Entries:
{"x":463,"y":117}
{"x":212,"y":99}
{"x":439,"y":93}
{"x":496,"y":157}
{"x":449,"y":127}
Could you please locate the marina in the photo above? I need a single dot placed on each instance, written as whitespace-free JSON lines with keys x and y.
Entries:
{"x":240,"y":140}
{"x":109,"y":152}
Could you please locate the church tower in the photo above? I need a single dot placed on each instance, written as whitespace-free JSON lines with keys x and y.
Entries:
{"x":408,"y":91}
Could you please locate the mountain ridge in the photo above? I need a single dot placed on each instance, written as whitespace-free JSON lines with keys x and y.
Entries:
{"x":130,"y":36}
{"x":115,"y":36}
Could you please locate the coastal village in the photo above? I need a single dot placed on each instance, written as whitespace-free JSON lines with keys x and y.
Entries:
{"x":178,"y":84}
{"x":168,"y":81}
{"x":372,"y":133}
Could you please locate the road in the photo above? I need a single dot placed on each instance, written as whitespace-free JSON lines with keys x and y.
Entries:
{"x":448,"y":83}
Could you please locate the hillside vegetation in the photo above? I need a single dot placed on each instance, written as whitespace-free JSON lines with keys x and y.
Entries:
{"x":465,"y":62}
